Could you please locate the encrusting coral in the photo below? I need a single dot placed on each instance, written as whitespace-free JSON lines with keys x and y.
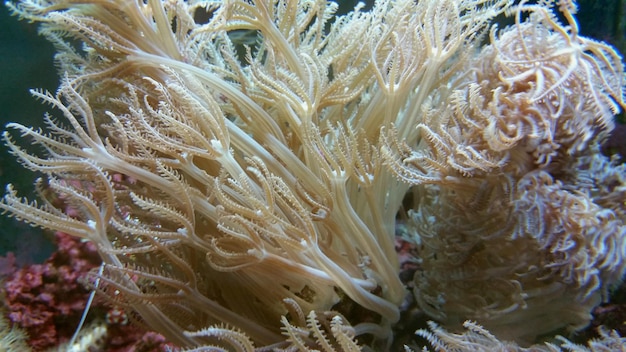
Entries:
{"x":247,"y":193}
{"x":46,"y":302}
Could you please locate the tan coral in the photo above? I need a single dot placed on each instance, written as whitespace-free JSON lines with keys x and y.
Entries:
{"x":512,"y":215}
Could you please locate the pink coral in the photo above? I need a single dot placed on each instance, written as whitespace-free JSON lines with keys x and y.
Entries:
{"x":128,"y":338}
{"x":46,"y":299}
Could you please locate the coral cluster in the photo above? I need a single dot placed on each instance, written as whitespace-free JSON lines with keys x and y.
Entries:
{"x":519,"y":216}
{"x":245,"y":192}
{"x":47,"y":300}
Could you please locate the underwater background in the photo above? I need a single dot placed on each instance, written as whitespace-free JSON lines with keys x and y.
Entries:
{"x":26,"y":61}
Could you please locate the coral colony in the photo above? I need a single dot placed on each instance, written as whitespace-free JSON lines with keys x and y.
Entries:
{"x":47,"y":301}
{"x":246,"y":170}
